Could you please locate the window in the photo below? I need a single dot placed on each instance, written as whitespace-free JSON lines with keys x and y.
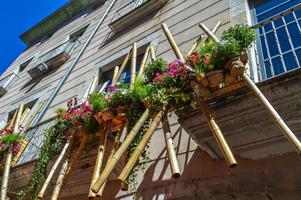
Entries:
{"x":7,"y":82}
{"x":278,"y":25}
{"x":28,"y":105}
{"x":25,"y":64}
{"x":126,"y":74}
{"x":77,"y":34}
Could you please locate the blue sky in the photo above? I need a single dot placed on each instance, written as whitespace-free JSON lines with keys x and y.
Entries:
{"x":15,"y":18}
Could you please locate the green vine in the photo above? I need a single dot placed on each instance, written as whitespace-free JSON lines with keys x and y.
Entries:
{"x":51,"y":146}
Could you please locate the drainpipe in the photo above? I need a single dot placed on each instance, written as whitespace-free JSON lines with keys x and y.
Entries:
{"x":72,"y":65}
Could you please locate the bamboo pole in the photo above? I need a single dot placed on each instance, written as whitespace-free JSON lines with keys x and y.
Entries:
{"x":98,"y":163}
{"x":115,"y":75}
{"x":139,"y":149}
{"x":143,"y":63}
{"x":9,"y":156}
{"x":271,"y":110}
{"x":133,"y":63}
{"x":123,"y":65}
{"x":24,"y":115}
{"x":121,"y":150}
{"x":53,"y":169}
{"x":152,"y":53}
{"x":295,"y":142}
{"x":103,"y":87}
{"x":202,"y":38}
{"x":33,"y":115}
{"x":60,"y":180}
{"x":211,"y":121}
{"x":175,"y":169}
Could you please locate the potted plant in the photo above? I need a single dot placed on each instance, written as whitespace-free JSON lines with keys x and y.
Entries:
{"x":237,"y":40}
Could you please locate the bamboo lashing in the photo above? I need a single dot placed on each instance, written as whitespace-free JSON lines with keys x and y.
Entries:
{"x":271,"y":110}
{"x":121,"y":150}
{"x":143,"y":63}
{"x":140,"y":148}
{"x":60,"y":180}
{"x":210,"y":120}
{"x":152,"y":53}
{"x":202,"y":38}
{"x":175,"y":169}
{"x":9,"y":156}
{"x":133,"y":63}
{"x":53,"y":169}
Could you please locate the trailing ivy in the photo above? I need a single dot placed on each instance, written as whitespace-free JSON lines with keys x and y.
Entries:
{"x":54,"y":140}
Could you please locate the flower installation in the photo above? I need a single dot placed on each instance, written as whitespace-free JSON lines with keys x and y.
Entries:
{"x":167,"y":86}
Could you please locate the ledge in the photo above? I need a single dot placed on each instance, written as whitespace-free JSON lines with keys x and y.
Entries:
{"x":246,"y":124}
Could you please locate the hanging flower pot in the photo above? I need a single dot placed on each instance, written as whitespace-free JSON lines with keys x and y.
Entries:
{"x":215,"y":78}
{"x":202,"y":78}
{"x":107,"y":114}
{"x":237,"y":68}
{"x":244,"y":56}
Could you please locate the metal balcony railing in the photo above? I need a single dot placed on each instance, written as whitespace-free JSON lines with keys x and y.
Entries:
{"x":53,"y":58}
{"x":279,"y":43}
{"x":35,"y":137}
{"x":127,"y":8}
{"x":6,"y":82}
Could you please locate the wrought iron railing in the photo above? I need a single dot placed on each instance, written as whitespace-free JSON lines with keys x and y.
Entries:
{"x":65,"y":47}
{"x":35,"y":137}
{"x":279,"y":43}
{"x":127,"y":8}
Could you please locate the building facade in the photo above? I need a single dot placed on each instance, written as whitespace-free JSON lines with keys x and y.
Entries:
{"x":85,"y":40}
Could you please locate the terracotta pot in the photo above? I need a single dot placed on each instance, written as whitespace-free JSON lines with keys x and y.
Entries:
{"x":107,"y":114}
{"x":237,"y":68}
{"x":244,"y":57}
{"x":229,"y":80}
{"x":215,"y":78}
{"x":202,"y":78}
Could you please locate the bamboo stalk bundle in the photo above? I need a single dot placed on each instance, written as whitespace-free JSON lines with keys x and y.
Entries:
{"x":210,"y":120}
{"x":9,"y":156}
{"x":152,"y":53}
{"x":121,"y":150}
{"x":60,"y":180}
{"x":202,"y":39}
{"x":175,"y":169}
{"x":139,"y":149}
{"x":98,"y":163}
{"x":271,"y":110}
{"x":133,"y":63}
{"x":53,"y":169}
{"x":143,"y":63}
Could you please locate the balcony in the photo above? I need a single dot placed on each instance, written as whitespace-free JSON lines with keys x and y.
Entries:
{"x":52,"y":59}
{"x":133,"y":12}
{"x":6,"y":82}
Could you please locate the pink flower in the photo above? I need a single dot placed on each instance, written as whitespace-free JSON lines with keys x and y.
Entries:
{"x":112,"y":88}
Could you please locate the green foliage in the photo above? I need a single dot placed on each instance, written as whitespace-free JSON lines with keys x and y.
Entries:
{"x":11,"y":138}
{"x":225,"y":51}
{"x":54,"y":140}
{"x":243,"y":34}
{"x":97,"y":101}
{"x":90,"y":124}
{"x":141,"y":90}
{"x":156,"y":66}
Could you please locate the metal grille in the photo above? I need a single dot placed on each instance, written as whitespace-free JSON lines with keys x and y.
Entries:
{"x":279,"y":39}
{"x":127,"y":8}
{"x":35,"y":135}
